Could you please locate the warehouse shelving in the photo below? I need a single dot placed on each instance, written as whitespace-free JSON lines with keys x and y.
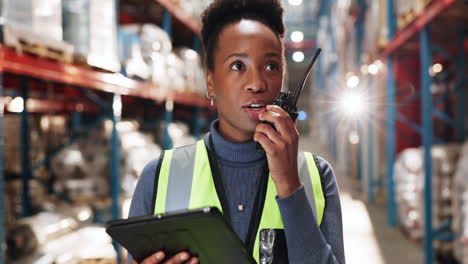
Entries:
{"x":398,"y":39}
{"x":87,"y":81}
{"x":411,"y":39}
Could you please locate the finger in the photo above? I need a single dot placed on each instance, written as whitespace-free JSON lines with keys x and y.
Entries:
{"x":155,"y":258}
{"x":134,"y":262}
{"x":280,"y":118}
{"x":266,"y":143}
{"x":179,"y":258}
{"x":271,"y":133}
{"x":193,"y":261}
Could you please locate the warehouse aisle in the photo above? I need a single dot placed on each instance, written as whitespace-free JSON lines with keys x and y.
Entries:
{"x":367,"y":237}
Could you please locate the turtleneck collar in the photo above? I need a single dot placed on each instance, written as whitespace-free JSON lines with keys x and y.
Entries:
{"x":233,"y":151}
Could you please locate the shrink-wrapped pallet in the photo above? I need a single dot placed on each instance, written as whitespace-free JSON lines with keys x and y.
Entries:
{"x":409,"y":180}
{"x":43,"y":17}
{"x":76,"y":24}
{"x":103,"y":51}
{"x":32,"y":233}
{"x":193,"y":72}
{"x":83,"y":169}
{"x":460,"y":207}
{"x":95,"y":246}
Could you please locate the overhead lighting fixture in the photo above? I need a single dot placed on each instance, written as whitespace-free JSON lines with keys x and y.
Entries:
{"x":295,"y":2}
{"x":297,"y":36}
{"x":373,"y":69}
{"x":298,"y":56}
{"x":435,"y":69}
{"x":16,"y":105}
{"x":352,"y":81}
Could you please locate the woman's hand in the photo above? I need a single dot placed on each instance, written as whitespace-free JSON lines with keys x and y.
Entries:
{"x":182,"y":257}
{"x":281,"y":147}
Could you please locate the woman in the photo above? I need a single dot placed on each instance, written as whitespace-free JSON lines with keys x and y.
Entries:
{"x":243,"y":41}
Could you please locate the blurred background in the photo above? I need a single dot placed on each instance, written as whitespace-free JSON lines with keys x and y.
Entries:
{"x":92,"y":90}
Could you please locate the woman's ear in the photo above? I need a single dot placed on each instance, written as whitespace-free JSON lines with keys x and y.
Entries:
{"x":210,"y":84}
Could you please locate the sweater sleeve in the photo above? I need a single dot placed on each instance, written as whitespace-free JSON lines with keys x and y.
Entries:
{"x":142,"y":199}
{"x":307,"y":242}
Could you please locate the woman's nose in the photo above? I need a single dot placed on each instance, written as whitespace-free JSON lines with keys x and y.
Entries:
{"x":256,"y":82}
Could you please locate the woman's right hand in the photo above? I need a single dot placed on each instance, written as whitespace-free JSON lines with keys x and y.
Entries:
{"x":181,"y":258}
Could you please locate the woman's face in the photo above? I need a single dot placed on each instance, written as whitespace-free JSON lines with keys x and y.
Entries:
{"x":247,"y":76}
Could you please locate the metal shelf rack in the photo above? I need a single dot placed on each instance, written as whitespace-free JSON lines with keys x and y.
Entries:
{"x":86,"y":81}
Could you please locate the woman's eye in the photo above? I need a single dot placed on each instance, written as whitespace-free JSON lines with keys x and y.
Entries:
{"x":237,"y":66}
{"x":272,"y":67}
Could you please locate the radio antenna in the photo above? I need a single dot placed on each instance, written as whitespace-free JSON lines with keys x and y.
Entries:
{"x":298,"y":91}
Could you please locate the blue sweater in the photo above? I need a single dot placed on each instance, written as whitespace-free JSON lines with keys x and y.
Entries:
{"x":241,"y":167}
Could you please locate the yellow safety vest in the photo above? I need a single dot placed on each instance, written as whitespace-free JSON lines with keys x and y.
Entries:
{"x":185,"y":182}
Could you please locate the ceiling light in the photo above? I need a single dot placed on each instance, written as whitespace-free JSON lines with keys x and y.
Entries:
{"x":295,"y":2}
{"x":298,"y":56}
{"x":352,"y":81}
{"x":297,"y":36}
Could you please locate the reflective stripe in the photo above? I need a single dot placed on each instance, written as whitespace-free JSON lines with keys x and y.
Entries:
{"x":160,"y":205}
{"x":317,"y":186}
{"x":203,"y":192}
{"x":304,"y":175}
{"x":179,"y":186}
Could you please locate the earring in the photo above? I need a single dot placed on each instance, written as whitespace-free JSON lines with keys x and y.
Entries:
{"x":207,"y":95}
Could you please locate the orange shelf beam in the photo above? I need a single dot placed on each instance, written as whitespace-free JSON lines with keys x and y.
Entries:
{"x":432,"y":10}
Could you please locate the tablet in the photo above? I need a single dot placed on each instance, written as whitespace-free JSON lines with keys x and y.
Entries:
{"x":202,"y":232}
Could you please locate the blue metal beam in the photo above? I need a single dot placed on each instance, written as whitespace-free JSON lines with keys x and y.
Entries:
{"x":2,"y":188}
{"x":447,"y":119}
{"x":426,"y":60}
{"x":196,"y":45}
{"x":391,"y":113}
{"x":167,"y":22}
{"x":26,"y":174}
{"x":370,"y":150}
{"x":115,"y":172}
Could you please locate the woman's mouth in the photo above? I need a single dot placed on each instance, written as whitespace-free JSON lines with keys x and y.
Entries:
{"x":254,"y":110}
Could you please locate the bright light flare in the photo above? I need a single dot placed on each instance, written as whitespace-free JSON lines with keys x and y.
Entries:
{"x":352,"y":104}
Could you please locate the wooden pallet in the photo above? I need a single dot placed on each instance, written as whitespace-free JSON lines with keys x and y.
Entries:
{"x":25,"y":40}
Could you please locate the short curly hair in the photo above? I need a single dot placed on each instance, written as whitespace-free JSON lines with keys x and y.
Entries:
{"x":222,"y":13}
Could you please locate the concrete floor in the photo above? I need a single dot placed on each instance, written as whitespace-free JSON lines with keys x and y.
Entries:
{"x":367,"y":236}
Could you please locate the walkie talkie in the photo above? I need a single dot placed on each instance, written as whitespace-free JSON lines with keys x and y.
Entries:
{"x":288,"y":100}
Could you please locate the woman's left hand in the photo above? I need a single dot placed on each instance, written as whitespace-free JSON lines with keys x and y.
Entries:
{"x":281,"y":147}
